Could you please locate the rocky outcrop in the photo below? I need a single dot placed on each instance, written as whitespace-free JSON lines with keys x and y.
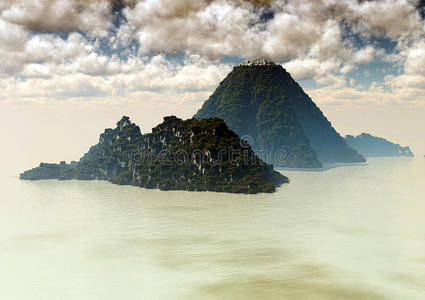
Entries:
{"x":177,"y":155}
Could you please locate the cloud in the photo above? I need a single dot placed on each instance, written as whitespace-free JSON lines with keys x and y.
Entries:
{"x":65,"y":49}
{"x":364,"y":55}
{"x":89,"y":16}
{"x":412,"y":58}
{"x":156,"y":75}
{"x":394,"y":18}
{"x":415,"y":59}
{"x":42,"y":49}
{"x":12,"y":37}
{"x":304,"y":68}
{"x":36,"y":71}
{"x":375,"y":95}
{"x":215,"y":28}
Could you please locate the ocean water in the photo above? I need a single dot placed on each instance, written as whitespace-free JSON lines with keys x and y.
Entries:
{"x":352,"y":232}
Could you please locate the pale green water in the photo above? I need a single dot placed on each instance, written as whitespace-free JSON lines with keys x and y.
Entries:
{"x":353,"y":232}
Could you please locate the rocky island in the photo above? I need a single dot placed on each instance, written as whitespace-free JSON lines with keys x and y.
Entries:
{"x":193,"y":155}
{"x":373,"y":146}
{"x":259,"y":99}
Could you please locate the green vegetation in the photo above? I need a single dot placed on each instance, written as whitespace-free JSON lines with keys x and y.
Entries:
{"x":261,"y":100}
{"x":177,"y":155}
{"x":60,"y":171}
{"x":253,"y":104}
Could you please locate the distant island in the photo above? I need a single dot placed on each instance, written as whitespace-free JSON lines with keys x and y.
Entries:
{"x":261,"y":101}
{"x":192,"y":155}
{"x":373,"y":146}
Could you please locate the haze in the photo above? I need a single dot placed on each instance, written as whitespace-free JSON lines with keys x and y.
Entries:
{"x":69,"y":69}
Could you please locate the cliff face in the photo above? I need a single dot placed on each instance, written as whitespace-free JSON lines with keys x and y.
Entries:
{"x":177,"y":155}
{"x":260,"y":99}
{"x":372,"y":146}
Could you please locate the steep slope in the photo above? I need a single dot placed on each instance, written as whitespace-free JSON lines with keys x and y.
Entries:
{"x":178,"y":155}
{"x":260,"y":99}
{"x":373,"y":146}
{"x":251,"y":101}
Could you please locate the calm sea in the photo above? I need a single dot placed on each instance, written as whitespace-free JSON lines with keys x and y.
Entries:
{"x":354,"y":232}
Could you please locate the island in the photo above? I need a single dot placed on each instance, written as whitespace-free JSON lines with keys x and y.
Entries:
{"x":260,"y":100}
{"x":373,"y":146}
{"x":191,"y":155}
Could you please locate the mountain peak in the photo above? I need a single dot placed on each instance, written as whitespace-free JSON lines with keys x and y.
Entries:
{"x":261,"y":61}
{"x":124,"y":122}
{"x":261,"y":100}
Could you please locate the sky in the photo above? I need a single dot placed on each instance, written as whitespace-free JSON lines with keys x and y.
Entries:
{"x":71,"y":68}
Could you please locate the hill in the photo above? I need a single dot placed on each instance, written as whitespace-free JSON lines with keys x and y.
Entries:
{"x":177,"y":155}
{"x":261,"y":100}
{"x":373,"y":146}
